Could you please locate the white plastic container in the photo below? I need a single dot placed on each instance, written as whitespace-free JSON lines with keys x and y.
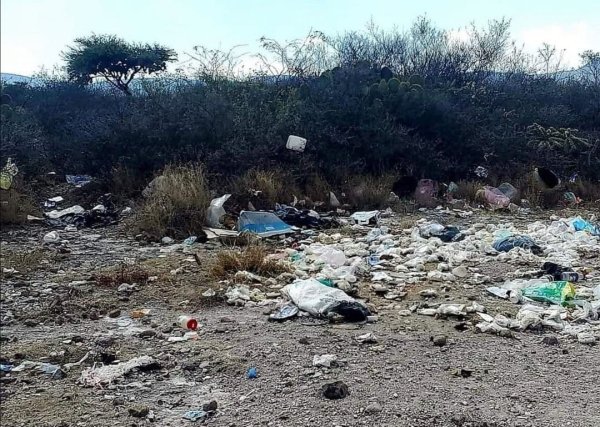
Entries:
{"x":187,"y":322}
{"x":295,"y":143}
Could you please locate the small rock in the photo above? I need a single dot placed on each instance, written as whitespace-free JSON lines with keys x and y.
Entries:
{"x":210,"y":406}
{"x":439,"y":340}
{"x":460,"y":271}
{"x":209,"y":293}
{"x":31,"y":322}
{"x":463,"y":372}
{"x":148,"y":333}
{"x":118,"y":401}
{"x":336,"y":390}
{"x":372,"y":319}
{"x":428,"y":293}
{"x":114,"y":313}
{"x":93,"y":315}
{"x":105,"y":341}
{"x":586,"y":338}
{"x":304,"y":340}
{"x":227,"y":320}
{"x":139,"y":411}
{"x":373,"y":408}
{"x":166,"y":240}
{"x":550,"y":340}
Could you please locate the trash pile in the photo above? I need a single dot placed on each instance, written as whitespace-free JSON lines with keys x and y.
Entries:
{"x":104,"y":213}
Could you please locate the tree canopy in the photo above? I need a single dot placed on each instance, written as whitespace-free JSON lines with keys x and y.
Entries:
{"x":114,"y":59}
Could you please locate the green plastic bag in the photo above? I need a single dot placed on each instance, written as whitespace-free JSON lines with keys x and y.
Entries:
{"x":553,"y":292}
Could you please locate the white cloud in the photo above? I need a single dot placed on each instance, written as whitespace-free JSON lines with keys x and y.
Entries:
{"x":573,"y":38}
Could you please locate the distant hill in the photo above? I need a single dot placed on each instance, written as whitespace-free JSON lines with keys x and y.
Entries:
{"x":16,"y":78}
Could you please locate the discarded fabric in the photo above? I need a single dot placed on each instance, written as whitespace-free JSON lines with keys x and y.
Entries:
{"x":78,"y":180}
{"x":107,"y":374}
{"x":507,"y":243}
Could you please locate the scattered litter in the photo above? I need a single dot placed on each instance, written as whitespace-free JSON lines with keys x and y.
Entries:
{"x":367,"y":338}
{"x":505,"y":244}
{"x":335,"y":390}
{"x":553,"y":293}
{"x":481,"y":172}
{"x":263,"y":224}
{"x":445,"y":234}
{"x":103,"y":375}
{"x":195,"y":415}
{"x":186,"y":337}
{"x":366,"y":218}
{"x":286,"y":312}
{"x":54,"y":371}
{"x":8,"y":172}
{"x":190,"y":240}
{"x":325,"y":360}
{"x":495,"y":198}
{"x":215,"y":211}
{"x":78,"y":180}
{"x":187,"y":322}
{"x":51,"y":237}
{"x":546,"y":178}
{"x":580,"y":224}
{"x":251,"y":373}
{"x":138,"y":314}
{"x":509,"y":191}
{"x":322,"y":301}
{"x":426,"y":192}
{"x":295,"y":143}
{"x":73,"y":210}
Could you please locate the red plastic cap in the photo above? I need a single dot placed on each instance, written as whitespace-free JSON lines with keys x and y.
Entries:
{"x":192,"y":324}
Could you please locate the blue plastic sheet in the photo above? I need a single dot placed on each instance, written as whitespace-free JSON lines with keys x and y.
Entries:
{"x":264,"y":224}
{"x":580,"y":224}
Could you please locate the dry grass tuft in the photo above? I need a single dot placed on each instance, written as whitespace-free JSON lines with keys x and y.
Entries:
{"x":15,"y":205}
{"x":23,"y":261}
{"x":369,"y":192}
{"x":467,"y":190}
{"x":177,"y":206}
{"x":252,"y":259}
{"x":125,"y":182}
{"x":123,"y":274}
{"x":274,"y":186}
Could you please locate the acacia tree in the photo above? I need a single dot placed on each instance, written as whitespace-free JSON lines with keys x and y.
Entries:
{"x":115,"y":60}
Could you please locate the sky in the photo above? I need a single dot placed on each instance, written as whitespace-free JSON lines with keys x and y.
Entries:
{"x":34,"y":32}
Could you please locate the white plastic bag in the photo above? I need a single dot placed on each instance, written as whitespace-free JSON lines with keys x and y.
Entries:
{"x":215,"y":211}
{"x":319,"y":300}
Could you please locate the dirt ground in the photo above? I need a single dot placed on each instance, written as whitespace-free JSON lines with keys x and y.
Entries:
{"x":54,"y":309}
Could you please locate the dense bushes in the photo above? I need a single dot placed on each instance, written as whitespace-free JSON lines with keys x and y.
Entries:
{"x":369,"y":103}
